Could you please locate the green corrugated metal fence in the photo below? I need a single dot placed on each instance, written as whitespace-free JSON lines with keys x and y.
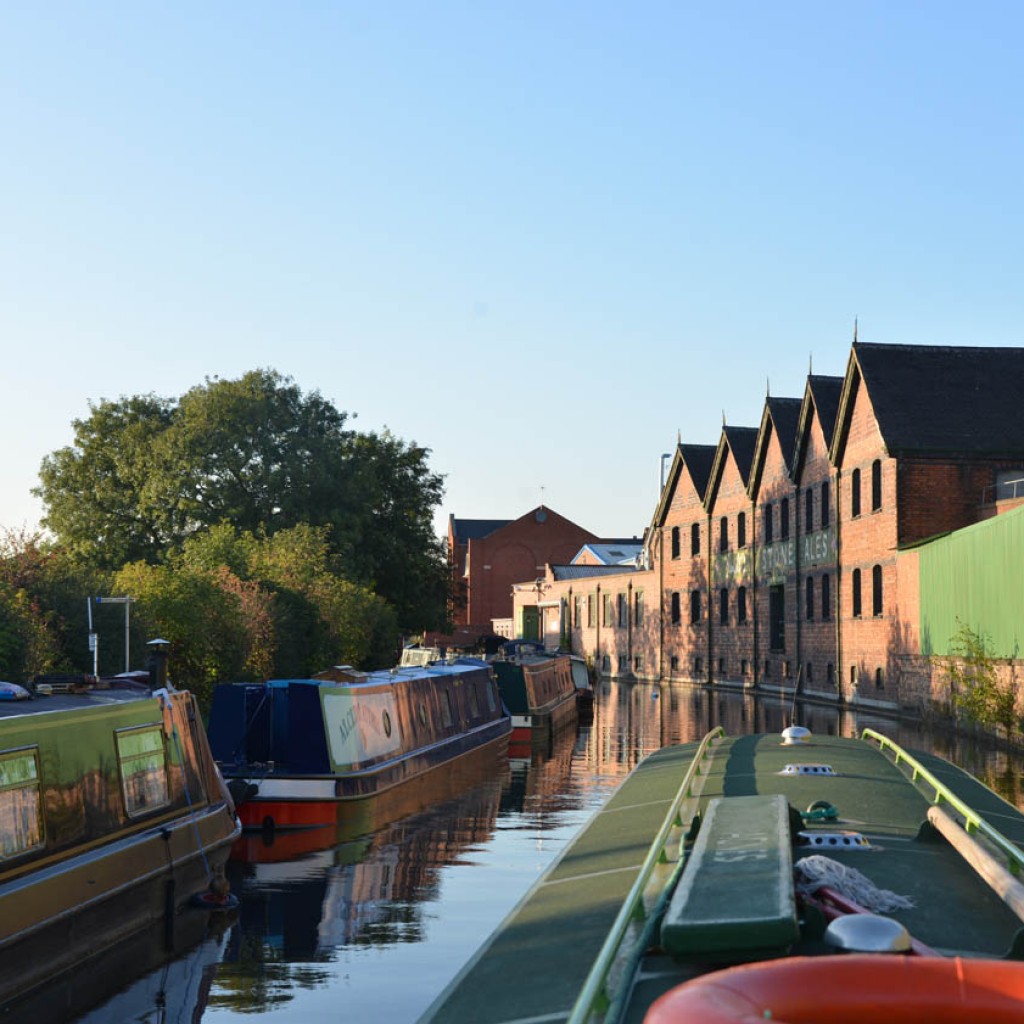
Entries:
{"x":975,"y":577}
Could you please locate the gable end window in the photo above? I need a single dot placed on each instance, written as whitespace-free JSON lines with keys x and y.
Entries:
{"x":855,"y":494}
{"x":675,"y":541}
{"x":876,"y":485}
{"x":695,"y":539}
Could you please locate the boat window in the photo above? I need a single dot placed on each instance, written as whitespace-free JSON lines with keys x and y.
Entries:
{"x":490,"y":697}
{"x":474,"y":703}
{"x":386,"y":719}
{"x":142,"y":761}
{"x":21,"y":811}
{"x":422,"y":712}
{"x":446,"y":708}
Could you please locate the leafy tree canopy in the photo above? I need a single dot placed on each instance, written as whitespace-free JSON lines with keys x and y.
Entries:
{"x":147,"y":474}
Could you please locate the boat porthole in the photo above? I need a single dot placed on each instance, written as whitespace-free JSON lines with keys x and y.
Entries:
{"x":268,"y":824}
{"x":387,"y":724}
{"x":423,"y":714}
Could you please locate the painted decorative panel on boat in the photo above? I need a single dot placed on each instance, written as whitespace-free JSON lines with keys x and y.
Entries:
{"x":360,"y":730}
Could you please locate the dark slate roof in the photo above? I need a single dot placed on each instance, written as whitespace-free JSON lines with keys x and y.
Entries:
{"x":785,"y":415}
{"x":699,"y":459}
{"x":742,"y":441}
{"x":474,"y":529}
{"x":826,"y":392}
{"x":930,"y":398}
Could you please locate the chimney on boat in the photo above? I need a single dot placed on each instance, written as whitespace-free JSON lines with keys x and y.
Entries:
{"x":156,"y":663}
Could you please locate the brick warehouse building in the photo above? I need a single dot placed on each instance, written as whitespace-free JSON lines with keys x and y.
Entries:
{"x":792,"y":555}
{"x":487,"y":556}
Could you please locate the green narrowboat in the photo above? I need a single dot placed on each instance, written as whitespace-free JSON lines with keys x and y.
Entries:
{"x":113,"y":816}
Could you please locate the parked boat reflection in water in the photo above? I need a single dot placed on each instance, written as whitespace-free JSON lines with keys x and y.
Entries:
{"x":445,"y":878}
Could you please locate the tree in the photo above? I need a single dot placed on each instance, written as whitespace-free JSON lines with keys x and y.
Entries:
{"x":42,"y":607}
{"x":319,"y":619}
{"x":205,"y":621}
{"x":974,"y":683}
{"x":397,"y":552}
{"x":102,"y":495}
{"x":146,"y":474}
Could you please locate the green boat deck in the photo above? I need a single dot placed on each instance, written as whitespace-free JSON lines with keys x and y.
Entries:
{"x":533,"y":966}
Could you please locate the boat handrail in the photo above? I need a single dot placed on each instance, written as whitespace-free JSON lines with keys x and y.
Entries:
{"x":593,"y":997}
{"x":973,"y":821}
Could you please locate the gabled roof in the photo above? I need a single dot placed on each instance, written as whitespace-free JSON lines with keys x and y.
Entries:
{"x":698,"y":460}
{"x":938,"y":399}
{"x":779,"y":418}
{"x":473,"y":529}
{"x":821,"y":399}
{"x":740,"y":442}
{"x":826,"y":392}
{"x":613,"y":552}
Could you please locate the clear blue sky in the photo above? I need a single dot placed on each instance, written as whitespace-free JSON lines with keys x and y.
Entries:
{"x":537,"y":238}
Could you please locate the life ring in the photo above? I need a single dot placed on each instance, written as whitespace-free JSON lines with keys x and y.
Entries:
{"x":850,"y":989}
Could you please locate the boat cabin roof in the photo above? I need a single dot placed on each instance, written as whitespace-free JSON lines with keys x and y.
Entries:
{"x":73,"y":700}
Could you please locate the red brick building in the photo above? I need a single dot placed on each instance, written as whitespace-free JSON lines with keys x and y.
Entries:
{"x":487,"y":556}
{"x":787,"y":556}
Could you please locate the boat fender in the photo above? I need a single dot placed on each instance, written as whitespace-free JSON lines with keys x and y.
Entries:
{"x":218,"y":897}
{"x":820,"y":810}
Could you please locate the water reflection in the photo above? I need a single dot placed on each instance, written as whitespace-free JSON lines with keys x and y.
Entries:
{"x":369,"y":923}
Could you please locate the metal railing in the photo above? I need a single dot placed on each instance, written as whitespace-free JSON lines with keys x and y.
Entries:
{"x":593,"y":997}
{"x":972,"y":821}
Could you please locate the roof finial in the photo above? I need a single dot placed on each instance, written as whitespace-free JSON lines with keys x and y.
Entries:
{"x":810,"y":365}
{"x":723,"y":417}
{"x":855,"y":330}
{"x":679,"y":436}
{"x":542,"y":496}
{"x":767,"y":387}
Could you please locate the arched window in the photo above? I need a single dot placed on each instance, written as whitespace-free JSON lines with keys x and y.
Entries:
{"x":675,"y":607}
{"x":826,"y":511}
{"x":723,"y":606}
{"x":741,"y":604}
{"x":876,"y":590}
{"x":809,"y":598}
{"x":695,"y":539}
{"x":856,"y":593}
{"x":826,"y":596}
{"x":675,"y":541}
{"x":876,"y":485}
{"x":784,"y":516}
{"x":741,"y":530}
{"x":808,"y":510}
{"x":768,"y":515}
{"x":723,"y":536}
{"x":855,"y":493}
{"x":695,"y":606}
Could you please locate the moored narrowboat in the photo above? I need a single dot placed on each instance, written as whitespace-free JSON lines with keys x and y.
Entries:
{"x":113,"y":816}
{"x":303,"y":753}
{"x":539,"y":689}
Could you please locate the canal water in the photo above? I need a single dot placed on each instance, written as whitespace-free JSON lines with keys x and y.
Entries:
{"x":371,"y":927}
